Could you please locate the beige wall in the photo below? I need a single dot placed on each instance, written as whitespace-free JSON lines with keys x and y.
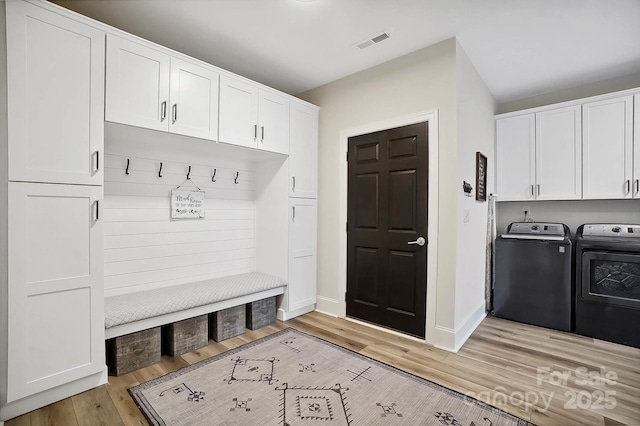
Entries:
{"x":476,"y":108}
{"x":593,"y":89}
{"x":420,"y":81}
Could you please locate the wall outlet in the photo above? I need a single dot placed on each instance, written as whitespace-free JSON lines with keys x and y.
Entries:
{"x":526,"y":210}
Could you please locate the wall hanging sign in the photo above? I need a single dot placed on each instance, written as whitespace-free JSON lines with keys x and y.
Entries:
{"x":187,"y":204}
{"x":481,"y":177}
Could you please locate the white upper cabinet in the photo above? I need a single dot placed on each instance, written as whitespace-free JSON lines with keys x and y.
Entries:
{"x":608,"y":148}
{"x":253,"y":117}
{"x":238,"y":112}
{"x":539,"y":156}
{"x":194,"y":100}
{"x":515,"y":150}
{"x":55,"y":76}
{"x":148,"y":88}
{"x":303,"y":153}
{"x":559,"y":154}
{"x":273,"y":118}
{"x":137,"y":85}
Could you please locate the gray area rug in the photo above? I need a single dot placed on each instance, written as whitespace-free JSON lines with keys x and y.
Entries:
{"x":292,"y":378}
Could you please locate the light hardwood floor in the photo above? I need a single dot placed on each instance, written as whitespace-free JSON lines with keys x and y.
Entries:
{"x":498,"y":364}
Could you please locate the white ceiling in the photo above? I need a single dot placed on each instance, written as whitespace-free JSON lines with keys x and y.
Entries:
{"x":520,"y":48}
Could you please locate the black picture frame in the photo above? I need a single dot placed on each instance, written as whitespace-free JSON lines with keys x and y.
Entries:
{"x":481,"y":177}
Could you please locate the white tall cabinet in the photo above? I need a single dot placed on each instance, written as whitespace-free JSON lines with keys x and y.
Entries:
{"x":300,"y":296}
{"x":54,"y":262}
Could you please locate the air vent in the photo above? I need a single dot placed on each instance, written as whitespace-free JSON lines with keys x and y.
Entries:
{"x":373,"y":40}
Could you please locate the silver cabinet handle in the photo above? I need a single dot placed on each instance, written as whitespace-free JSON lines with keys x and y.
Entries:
{"x":255,"y":132}
{"x":627,"y":184}
{"x":96,"y":169}
{"x":163,"y":111}
{"x":262,"y":131}
{"x":637,"y":185}
{"x":293,"y":185}
{"x":420,"y":241}
{"x":532,"y":193}
{"x":293,"y":213}
{"x":97,"y":207}
{"x":538,"y":187}
{"x":175,"y":114}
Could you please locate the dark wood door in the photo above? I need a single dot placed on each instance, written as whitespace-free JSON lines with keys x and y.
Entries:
{"x":387,"y":209}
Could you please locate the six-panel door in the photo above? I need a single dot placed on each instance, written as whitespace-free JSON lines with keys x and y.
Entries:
{"x":55,"y":75}
{"x":56,"y":297}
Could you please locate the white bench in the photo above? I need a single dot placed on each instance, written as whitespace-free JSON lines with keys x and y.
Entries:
{"x":129,"y":313}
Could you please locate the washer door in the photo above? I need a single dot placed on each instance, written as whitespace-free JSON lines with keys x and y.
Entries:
{"x":611,"y":278}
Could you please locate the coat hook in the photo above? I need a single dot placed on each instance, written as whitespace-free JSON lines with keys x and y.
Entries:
{"x":127,"y":169}
{"x":213,"y":178}
{"x":236,"y":179}
{"x":160,"y":171}
{"x":188,"y":173}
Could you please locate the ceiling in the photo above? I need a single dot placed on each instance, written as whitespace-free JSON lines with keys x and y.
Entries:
{"x":520,"y":48}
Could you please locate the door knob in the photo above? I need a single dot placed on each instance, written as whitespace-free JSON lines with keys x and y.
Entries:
{"x":420,"y":241}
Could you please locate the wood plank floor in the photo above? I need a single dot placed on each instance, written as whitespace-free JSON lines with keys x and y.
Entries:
{"x":499,"y":364}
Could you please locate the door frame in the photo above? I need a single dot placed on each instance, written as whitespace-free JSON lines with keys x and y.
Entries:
{"x":431,"y":117}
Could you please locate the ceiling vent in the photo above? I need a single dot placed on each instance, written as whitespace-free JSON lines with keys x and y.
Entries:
{"x":373,"y":40}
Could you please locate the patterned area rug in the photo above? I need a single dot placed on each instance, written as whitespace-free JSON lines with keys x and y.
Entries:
{"x":292,"y":378}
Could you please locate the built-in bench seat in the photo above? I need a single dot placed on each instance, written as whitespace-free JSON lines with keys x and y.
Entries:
{"x":129,"y":313}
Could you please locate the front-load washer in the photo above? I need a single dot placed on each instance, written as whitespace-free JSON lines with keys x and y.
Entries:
{"x":533,"y":279}
{"x":607,"y":304}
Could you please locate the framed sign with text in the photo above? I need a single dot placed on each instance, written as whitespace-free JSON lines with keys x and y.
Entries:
{"x":481,"y":177}
{"x":187,"y":204}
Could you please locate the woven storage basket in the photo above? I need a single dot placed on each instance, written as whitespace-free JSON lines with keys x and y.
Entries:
{"x":133,"y":351}
{"x":185,"y":336}
{"x":261,"y":313}
{"x":227,"y":323}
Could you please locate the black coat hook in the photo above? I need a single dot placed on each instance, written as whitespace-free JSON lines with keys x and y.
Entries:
{"x":236,"y":179}
{"x":127,"y":169}
{"x":160,"y":171}
{"x":188,"y":173}
{"x":213,"y":178}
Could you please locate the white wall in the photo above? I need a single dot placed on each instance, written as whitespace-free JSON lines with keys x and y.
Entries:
{"x":476,"y":108}
{"x":417,"y":82}
{"x":571,"y":213}
{"x":3,"y":206}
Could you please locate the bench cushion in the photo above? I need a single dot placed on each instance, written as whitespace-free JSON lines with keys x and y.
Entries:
{"x":127,"y":308}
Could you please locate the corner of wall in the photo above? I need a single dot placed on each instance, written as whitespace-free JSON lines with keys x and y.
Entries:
{"x":3,"y":206}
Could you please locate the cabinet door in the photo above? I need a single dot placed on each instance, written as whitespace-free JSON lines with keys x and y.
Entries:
{"x":55,"y":76}
{"x":273,"y":112}
{"x":238,"y":112}
{"x":194,"y":100}
{"x":137,"y":85}
{"x":515,"y":149}
{"x":303,"y":151}
{"x":559,"y":154}
{"x":301,"y":291}
{"x":607,"y":148}
{"x":636,"y":148}
{"x":55,"y":295}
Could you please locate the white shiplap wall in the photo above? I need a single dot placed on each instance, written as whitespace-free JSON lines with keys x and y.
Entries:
{"x":143,"y":247}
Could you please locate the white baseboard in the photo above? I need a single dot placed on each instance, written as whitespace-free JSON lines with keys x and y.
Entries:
{"x":283,"y":315}
{"x":452,"y":340}
{"x":328,"y":306}
{"x":39,"y":400}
